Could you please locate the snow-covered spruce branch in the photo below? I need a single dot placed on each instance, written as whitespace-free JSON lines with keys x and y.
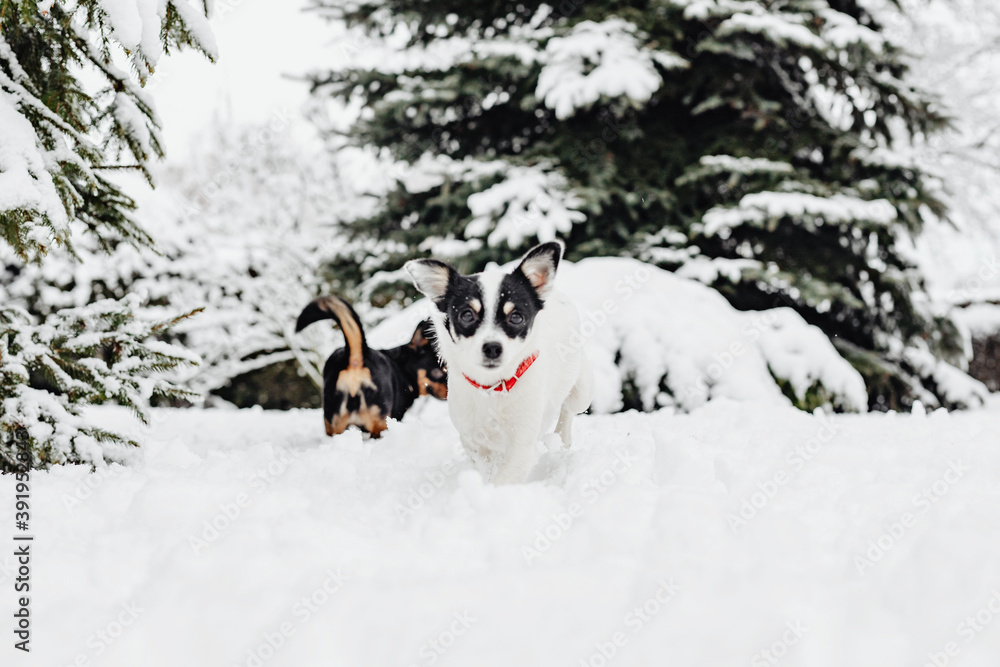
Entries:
{"x":56,"y":135}
{"x":101,"y":353}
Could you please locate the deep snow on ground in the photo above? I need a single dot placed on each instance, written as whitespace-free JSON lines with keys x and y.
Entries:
{"x":864,"y":540}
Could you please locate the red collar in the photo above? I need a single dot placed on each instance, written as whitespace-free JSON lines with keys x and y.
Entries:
{"x":509,"y":382}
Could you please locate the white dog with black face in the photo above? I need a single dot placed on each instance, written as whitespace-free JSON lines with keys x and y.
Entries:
{"x":513,"y":372}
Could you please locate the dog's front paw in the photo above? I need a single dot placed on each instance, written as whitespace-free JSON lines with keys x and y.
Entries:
{"x":553,"y":443}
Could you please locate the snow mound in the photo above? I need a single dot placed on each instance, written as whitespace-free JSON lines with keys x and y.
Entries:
{"x":656,"y":340}
{"x":982,"y":319}
{"x":801,"y":354}
{"x":957,"y":389}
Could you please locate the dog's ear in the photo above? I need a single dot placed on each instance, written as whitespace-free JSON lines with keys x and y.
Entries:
{"x":431,"y":277}
{"x":539,"y":267}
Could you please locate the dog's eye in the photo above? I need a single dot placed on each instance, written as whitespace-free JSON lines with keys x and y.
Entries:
{"x":467,"y":316}
{"x":515,"y":318}
{"x":436,"y":374}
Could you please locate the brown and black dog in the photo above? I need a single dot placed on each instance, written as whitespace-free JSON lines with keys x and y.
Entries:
{"x":362,"y":386}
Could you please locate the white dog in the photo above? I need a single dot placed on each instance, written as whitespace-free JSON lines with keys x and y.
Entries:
{"x":513,"y":373}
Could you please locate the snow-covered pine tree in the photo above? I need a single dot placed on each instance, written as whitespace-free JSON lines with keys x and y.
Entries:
{"x":64,"y":135}
{"x":243,"y":227}
{"x":70,"y":115}
{"x":744,"y":143}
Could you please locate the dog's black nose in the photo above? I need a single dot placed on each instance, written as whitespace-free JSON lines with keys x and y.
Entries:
{"x":492,"y":350}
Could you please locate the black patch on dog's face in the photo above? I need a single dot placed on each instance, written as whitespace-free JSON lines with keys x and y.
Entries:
{"x":517,"y":305}
{"x":463,"y":306}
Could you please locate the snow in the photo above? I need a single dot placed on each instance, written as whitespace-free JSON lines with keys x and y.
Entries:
{"x":126,"y":21}
{"x":135,"y":24}
{"x":842,"y":30}
{"x":134,"y":123}
{"x":239,"y":531}
{"x":707,"y":270}
{"x":403,"y":51}
{"x":431,"y":171}
{"x":759,"y":207}
{"x":801,"y":353}
{"x":196,"y":23}
{"x":599,"y":59}
{"x":982,"y":319}
{"x":704,"y":9}
{"x":778,"y":27}
{"x":25,"y":184}
{"x":531,"y":202}
{"x":715,"y":165}
{"x":677,"y":335}
{"x":956,"y":388}
{"x":837,"y":30}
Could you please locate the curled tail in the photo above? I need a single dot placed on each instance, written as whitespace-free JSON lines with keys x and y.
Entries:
{"x":333,"y":308}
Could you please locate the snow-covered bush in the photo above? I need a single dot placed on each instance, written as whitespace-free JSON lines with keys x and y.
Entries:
{"x":242,"y":229}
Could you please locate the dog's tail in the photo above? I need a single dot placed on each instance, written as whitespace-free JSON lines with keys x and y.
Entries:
{"x":333,"y":308}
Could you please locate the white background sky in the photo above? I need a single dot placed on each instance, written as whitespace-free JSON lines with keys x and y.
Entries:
{"x":261,"y":43}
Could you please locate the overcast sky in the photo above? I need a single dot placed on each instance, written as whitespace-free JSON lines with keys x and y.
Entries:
{"x":260,"y":43}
